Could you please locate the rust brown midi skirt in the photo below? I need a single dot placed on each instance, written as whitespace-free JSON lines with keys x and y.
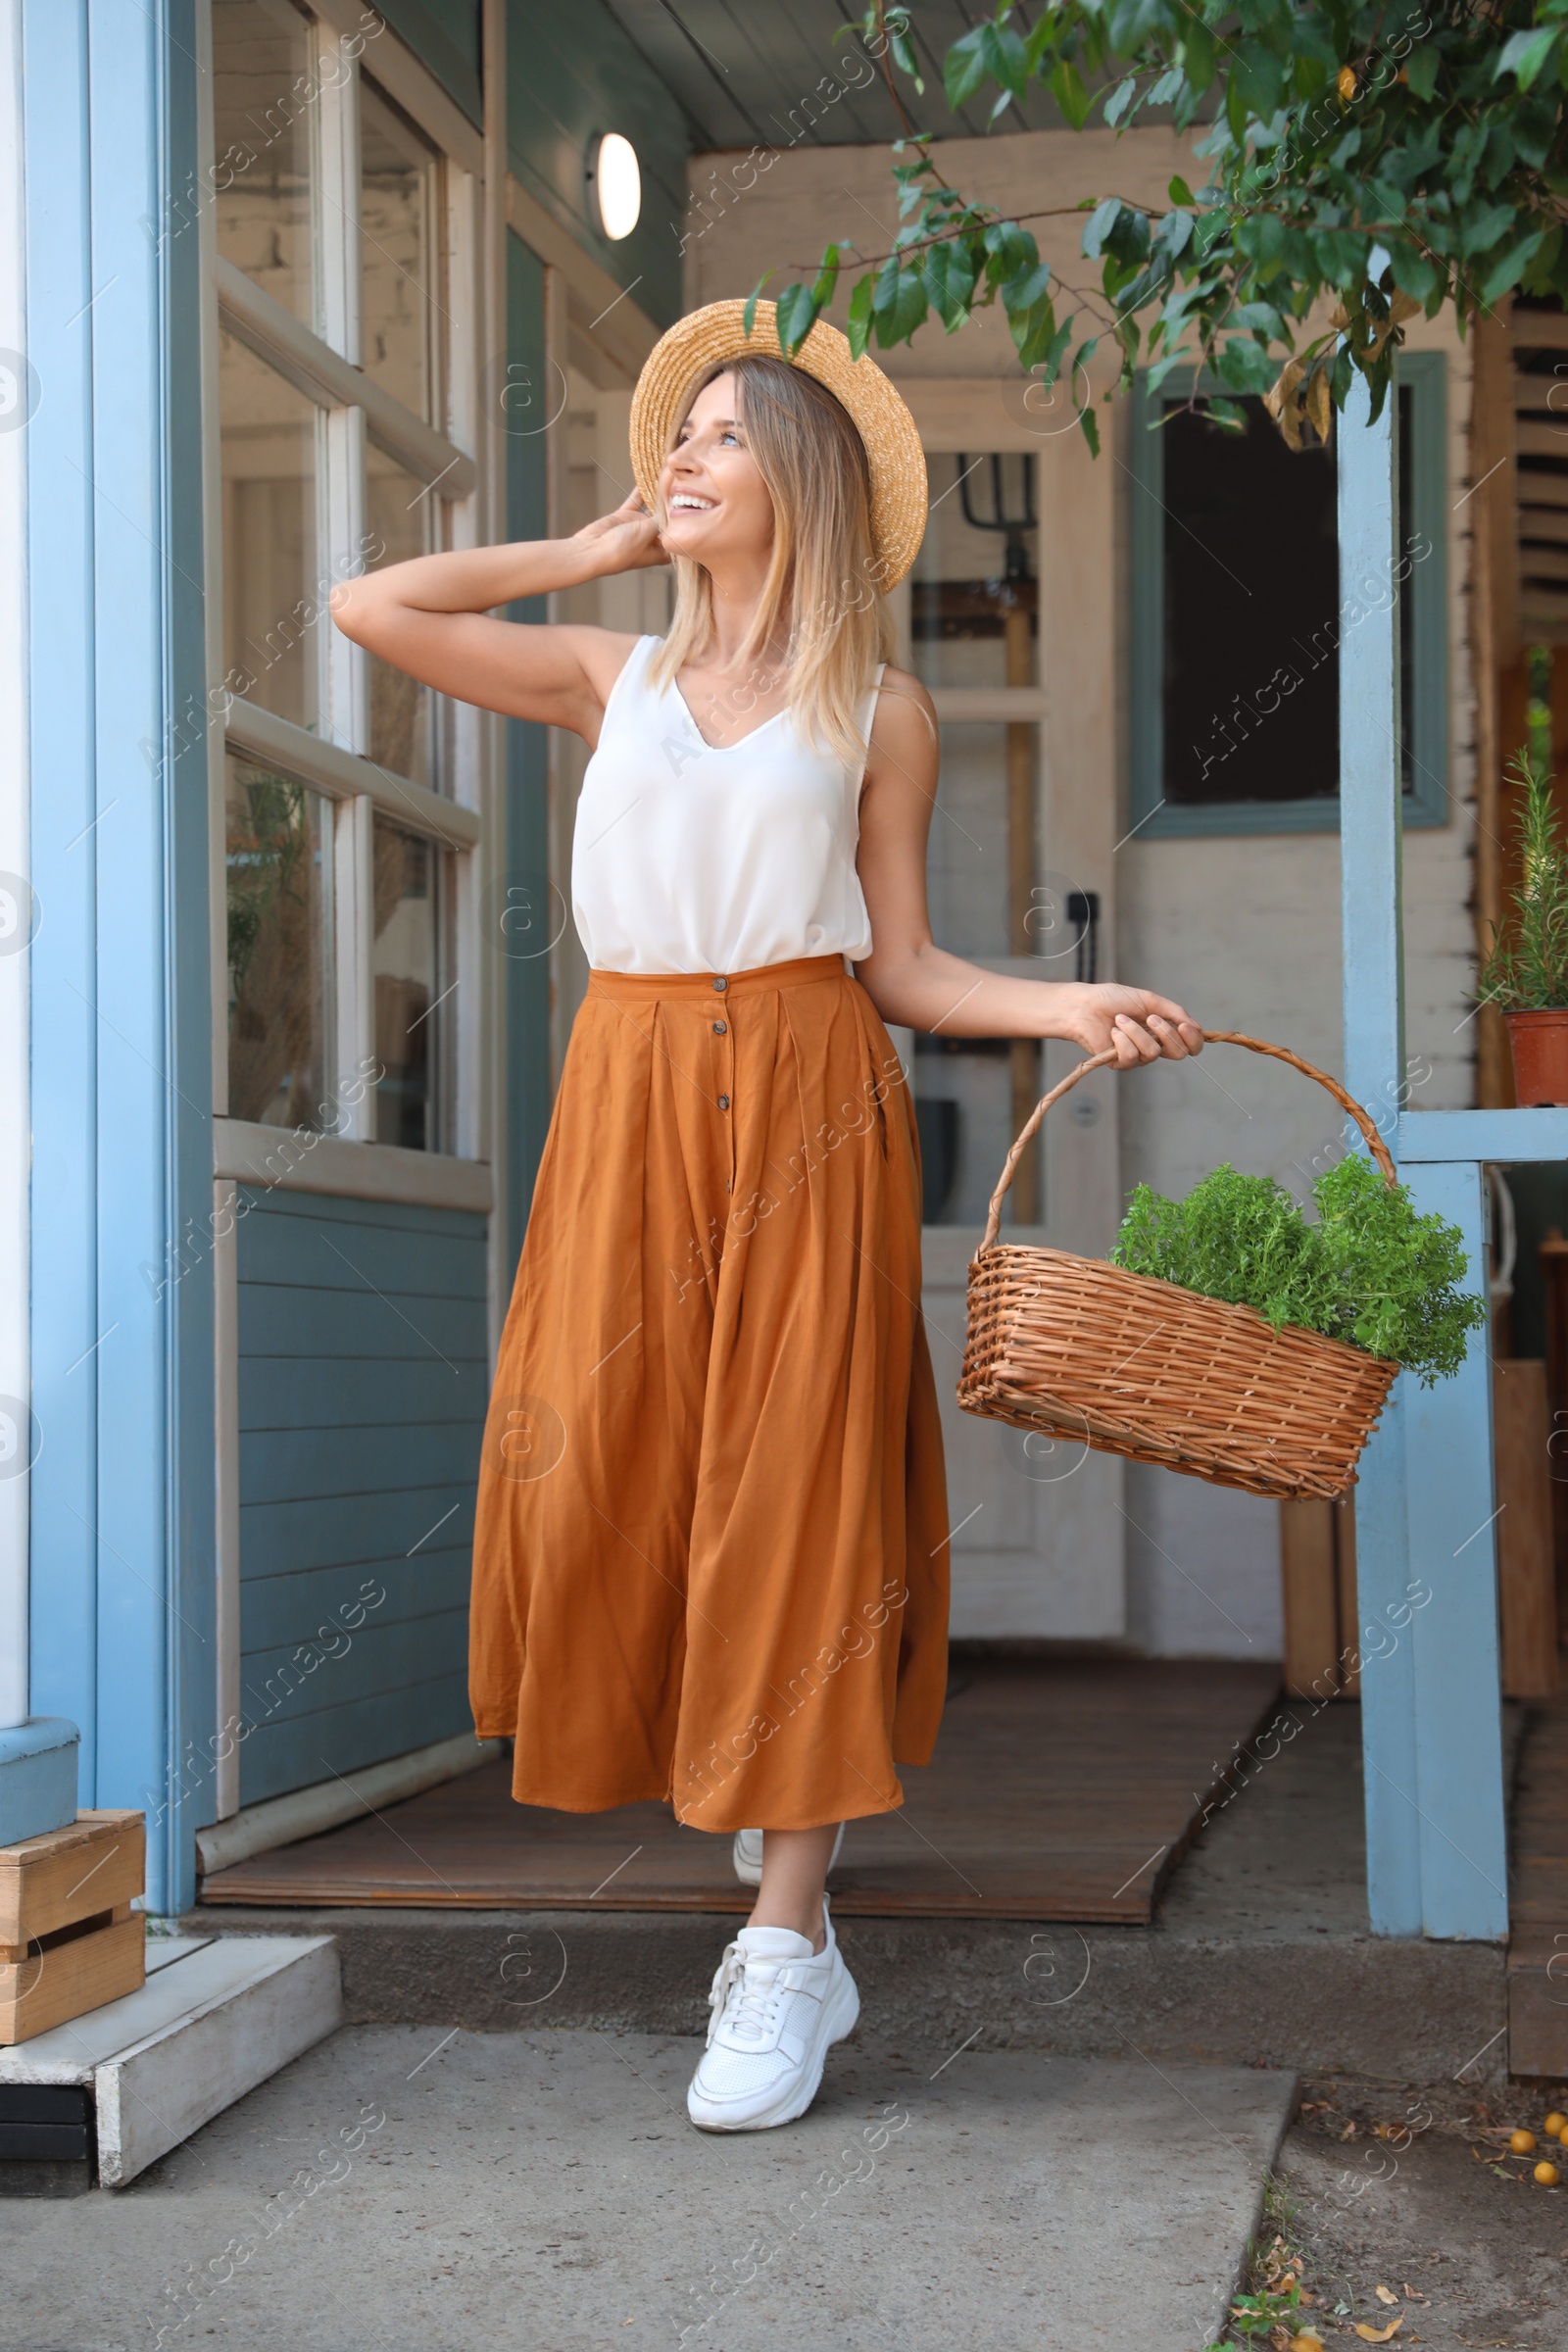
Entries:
{"x":711,"y":1560}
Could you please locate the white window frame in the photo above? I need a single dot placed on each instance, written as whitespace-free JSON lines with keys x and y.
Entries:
{"x":354,"y":410}
{"x":465,"y":819}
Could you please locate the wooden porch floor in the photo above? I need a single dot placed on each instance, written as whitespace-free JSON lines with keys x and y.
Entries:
{"x":1061,"y":1789}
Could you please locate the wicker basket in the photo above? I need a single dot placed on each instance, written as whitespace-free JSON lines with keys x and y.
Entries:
{"x":1128,"y":1364}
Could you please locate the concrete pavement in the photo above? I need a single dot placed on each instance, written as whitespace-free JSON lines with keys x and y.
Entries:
{"x":414,"y":2191}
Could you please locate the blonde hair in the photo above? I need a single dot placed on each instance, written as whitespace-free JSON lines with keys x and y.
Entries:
{"x":824,"y":577}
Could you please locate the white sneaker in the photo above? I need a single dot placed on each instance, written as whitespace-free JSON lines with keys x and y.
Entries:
{"x":748,"y":1852}
{"x":777,"y":2009}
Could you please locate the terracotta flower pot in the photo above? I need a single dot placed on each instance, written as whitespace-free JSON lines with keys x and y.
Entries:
{"x":1539,"y":1044}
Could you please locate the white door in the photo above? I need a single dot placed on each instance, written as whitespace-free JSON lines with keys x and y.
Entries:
{"x":1009,"y":618}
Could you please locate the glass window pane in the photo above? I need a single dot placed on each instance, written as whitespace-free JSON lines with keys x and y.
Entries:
{"x":973,"y":601}
{"x":404,"y":519}
{"x":1250,"y":680}
{"x":399,"y":216}
{"x":272,"y":614}
{"x":406,"y":960}
{"x":279,"y":838}
{"x":263,"y":108}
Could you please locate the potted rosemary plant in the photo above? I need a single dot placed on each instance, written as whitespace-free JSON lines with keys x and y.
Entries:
{"x":1526,"y":973}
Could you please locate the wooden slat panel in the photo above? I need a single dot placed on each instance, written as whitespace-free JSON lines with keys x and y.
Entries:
{"x":367,"y":1215}
{"x":71,"y":1978}
{"x":278,"y":1538}
{"x":279,"y":1755}
{"x":1058,"y":1791}
{"x":1541,"y":440}
{"x":281,"y":1392}
{"x":280,"y":1683}
{"x":282,"y":1465}
{"x":1527,"y":1595}
{"x":1539,"y":330}
{"x":277,"y":1319}
{"x":46,"y":1883}
{"x":1350,"y":1626}
{"x":1540,"y":487}
{"x":331,"y":1257}
{"x":278,"y":1610}
{"x":377,"y":1311}
{"x":1538,"y":396}
{"x":1311,"y":1601}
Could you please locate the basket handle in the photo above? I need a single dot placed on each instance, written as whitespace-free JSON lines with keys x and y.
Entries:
{"x":1213,"y":1037}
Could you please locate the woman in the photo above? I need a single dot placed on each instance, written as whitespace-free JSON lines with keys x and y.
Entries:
{"x":710,"y":1556}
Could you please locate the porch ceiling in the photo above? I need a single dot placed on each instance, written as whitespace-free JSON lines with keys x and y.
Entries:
{"x":737,"y":70}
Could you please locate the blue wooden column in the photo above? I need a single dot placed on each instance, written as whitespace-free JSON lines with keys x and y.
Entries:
{"x":122,"y":1511}
{"x":1427,"y":1612}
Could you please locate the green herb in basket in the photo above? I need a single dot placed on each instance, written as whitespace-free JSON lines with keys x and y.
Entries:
{"x":1370,"y":1271}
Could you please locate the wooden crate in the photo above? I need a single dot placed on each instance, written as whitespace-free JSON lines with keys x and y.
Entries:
{"x":52,"y":1882}
{"x":71,"y":1972}
{"x":68,"y":1939}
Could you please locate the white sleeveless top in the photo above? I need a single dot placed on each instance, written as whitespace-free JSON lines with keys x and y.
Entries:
{"x":691,"y":857}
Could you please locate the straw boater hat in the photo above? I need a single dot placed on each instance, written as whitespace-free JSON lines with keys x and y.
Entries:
{"x":706,"y":337}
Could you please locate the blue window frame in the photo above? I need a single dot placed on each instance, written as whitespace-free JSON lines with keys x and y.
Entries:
{"x":1166,"y":797}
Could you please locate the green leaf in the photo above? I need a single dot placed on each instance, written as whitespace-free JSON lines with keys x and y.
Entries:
{"x":1523,"y":55}
{"x":797,"y":316}
{"x":1421,"y":71}
{"x":827,"y":279}
{"x":1066,"y":86}
{"x":1101,"y":221}
{"x":1257,"y":77}
{"x":964,"y":68}
{"x":1022,"y":292}
{"x":859,"y":318}
{"x":885,"y":298}
{"x":749,"y":315}
{"x":1483,"y":225}
{"x":1089,"y":423}
{"x":1180,"y":193}
{"x":1245,"y":366}
{"x":1509,"y":266}
{"x":896,"y":321}
{"x":1049,"y":363}
{"x":1415,"y":273}
{"x":1120,"y":99}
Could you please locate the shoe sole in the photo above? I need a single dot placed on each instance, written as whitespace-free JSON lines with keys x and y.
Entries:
{"x":842,"y":2017}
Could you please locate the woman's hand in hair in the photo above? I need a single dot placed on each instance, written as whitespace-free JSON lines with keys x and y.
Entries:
{"x":1132,"y":1022}
{"x":625,"y":541}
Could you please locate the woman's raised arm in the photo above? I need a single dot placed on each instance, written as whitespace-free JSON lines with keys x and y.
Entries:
{"x":434,"y":617}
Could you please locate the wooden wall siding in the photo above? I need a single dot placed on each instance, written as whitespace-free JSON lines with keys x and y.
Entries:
{"x":363,"y":1384}
{"x":572,"y":74}
{"x":444,"y":35}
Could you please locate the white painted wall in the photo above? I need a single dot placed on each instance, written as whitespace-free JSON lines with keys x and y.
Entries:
{"x":1244,"y":930}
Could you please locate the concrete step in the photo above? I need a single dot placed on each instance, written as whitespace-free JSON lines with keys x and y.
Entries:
{"x":1306,"y":2002}
{"x":216,"y":2016}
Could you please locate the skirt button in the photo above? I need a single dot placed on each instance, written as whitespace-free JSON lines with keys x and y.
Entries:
{"x":724,"y":1102}
{"x":721,"y":984}
{"x":720,"y":1028}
